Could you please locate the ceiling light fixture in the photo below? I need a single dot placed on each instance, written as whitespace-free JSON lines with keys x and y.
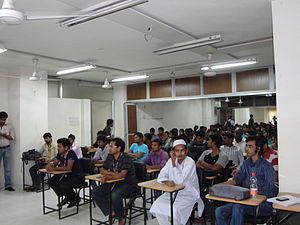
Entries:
{"x":105,"y":8}
{"x":2,"y":49}
{"x":227,"y":99}
{"x":189,"y":44}
{"x":130,"y":78}
{"x":80,"y":68}
{"x":240,"y":101}
{"x":230,"y":64}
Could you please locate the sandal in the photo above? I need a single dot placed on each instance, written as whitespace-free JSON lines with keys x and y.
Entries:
{"x":122,"y":221}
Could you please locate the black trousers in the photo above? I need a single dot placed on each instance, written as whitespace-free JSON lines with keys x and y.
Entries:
{"x":120,"y":190}
{"x":63,"y":185}
{"x":36,"y":177}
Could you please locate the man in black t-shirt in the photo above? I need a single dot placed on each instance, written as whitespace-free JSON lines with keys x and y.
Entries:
{"x":118,"y":164}
{"x":66,"y":160}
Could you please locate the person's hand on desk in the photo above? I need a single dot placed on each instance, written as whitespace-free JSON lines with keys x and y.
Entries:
{"x":103,"y":178}
{"x":50,"y":168}
{"x":169,"y":183}
{"x":234,"y":172}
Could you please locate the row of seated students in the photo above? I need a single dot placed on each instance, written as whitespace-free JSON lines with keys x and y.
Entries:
{"x":179,"y":169}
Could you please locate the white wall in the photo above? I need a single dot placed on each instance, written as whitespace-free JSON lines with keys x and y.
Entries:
{"x":3,"y":90}
{"x":241,"y":115}
{"x":286,"y":33}
{"x":101,"y":111}
{"x":70,"y":116}
{"x":179,"y":114}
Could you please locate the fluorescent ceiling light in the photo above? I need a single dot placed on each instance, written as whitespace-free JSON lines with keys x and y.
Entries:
{"x":230,"y":64}
{"x":189,"y":44}
{"x":105,"y":8}
{"x":2,"y":49}
{"x":76,"y":69}
{"x":130,"y":78}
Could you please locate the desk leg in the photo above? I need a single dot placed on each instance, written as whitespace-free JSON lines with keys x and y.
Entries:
{"x":23,"y":168}
{"x":256,"y":208}
{"x":110,"y":204}
{"x":212,"y":212}
{"x":91,"y":208}
{"x":144,"y":205}
{"x":43,"y":194}
{"x":171,"y":207}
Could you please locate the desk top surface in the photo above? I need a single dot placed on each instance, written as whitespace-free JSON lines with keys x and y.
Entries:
{"x":153,"y":170}
{"x":54,"y":172}
{"x":250,"y":201}
{"x":96,"y":177}
{"x":153,"y":184}
{"x":98,"y":164}
{"x":293,"y":208}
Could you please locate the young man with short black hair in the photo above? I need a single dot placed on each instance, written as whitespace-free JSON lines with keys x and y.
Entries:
{"x":138,"y":150}
{"x":234,"y":213}
{"x":118,"y":164}
{"x":66,"y":160}
{"x":48,"y":152}
{"x":157,"y":158}
{"x":6,"y":136}
{"x":107,"y":131}
{"x":75,"y":146}
{"x":102,"y":150}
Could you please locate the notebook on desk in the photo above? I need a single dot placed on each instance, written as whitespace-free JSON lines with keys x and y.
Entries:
{"x":285,"y":200}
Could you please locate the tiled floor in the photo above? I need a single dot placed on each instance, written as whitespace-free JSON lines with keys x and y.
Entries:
{"x":25,"y":208}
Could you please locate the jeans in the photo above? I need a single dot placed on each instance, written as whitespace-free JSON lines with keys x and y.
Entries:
{"x":36,"y":177}
{"x":120,"y":190}
{"x":63,"y":186}
{"x":5,"y":154}
{"x":237,"y":212}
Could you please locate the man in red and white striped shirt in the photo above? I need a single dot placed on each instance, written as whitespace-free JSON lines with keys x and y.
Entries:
{"x":270,"y":155}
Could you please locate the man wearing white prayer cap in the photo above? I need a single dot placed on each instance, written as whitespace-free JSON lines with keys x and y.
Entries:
{"x":179,"y":170}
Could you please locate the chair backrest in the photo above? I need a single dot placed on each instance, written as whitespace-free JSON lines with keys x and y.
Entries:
{"x":140,"y":171}
{"x":195,"y":152}
{"x":84,"y":151}
{"x":87,"y":165}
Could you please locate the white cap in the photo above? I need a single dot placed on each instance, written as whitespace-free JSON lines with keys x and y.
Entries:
{"x":179,"y":142}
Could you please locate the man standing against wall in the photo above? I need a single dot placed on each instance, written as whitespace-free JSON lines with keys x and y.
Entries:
{"x":6,"y":136}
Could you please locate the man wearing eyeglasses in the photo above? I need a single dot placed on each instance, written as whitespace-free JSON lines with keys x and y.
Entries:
{"x":179,"y":170}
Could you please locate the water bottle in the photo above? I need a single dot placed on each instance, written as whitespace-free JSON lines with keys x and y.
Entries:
{"x":253,"y":185}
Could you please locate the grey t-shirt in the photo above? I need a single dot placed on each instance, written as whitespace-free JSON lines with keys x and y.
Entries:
{"x":222,"y":160}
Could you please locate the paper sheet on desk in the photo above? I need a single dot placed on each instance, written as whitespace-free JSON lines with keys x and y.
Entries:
{"x":292,"y":200}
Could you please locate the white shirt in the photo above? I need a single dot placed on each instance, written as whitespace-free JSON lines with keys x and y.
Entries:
{"x":241,"y":145}
{"x":233,"y":153}
{"x":8,"y":130}
{"x":102,"y":154}
{"x":183,"y":174}
{"x":76,"y":148}
{"x":48,"y":152}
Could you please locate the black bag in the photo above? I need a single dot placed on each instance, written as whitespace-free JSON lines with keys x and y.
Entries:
{"x":30,"y":155}
{"x":230,"y":191}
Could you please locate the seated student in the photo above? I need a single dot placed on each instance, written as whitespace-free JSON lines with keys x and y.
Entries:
{"x":239,"y":141}
{"x":118,"y":164}
{"x":157,"y":158}
{"x":198,"y":145}
{"x":269,"y":154}
{"x":75,"y":146}
{"x":138,"y":150}
{"x":181,"y":170}
{"x":48,"y":152}
{"x":212,"y":160}
{"x":234,"y":213}
{"x":102,"y":150}
{"x":62,"y":185}
{"x":233,"y":153}
{"x":147,"y":139}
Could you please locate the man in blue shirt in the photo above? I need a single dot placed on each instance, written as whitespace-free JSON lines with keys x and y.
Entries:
{"x":66,"y":160}
{"x":265,"y":181}
{"x":138,"y":150}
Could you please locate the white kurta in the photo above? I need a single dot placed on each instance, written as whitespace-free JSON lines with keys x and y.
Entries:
{"x":183,"y":174}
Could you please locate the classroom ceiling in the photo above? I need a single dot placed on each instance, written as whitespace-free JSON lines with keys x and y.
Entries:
{"x":116,"y":42}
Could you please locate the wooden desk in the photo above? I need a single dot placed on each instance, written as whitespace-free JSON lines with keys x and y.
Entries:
{"x":154,"y":185}
{"x":153,"y":170}
{"x":98,"y":164}
{"x":291,"y":209}
{"x":255,"y":202}
{"x":51,"y":209}
{"x":96,"y":177}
